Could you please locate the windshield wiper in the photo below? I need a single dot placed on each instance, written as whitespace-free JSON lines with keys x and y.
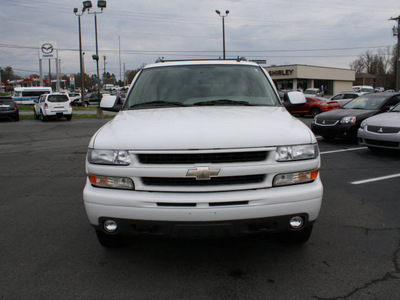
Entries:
{"x":157,"y":103}
{"x":222,"y":102}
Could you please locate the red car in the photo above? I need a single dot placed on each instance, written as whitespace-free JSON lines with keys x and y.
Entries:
{"x":314,"y":106}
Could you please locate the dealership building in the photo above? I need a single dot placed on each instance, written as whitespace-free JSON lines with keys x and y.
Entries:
{"x":330,"y":80}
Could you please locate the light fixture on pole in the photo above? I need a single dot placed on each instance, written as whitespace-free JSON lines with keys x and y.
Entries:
{"x":76,"y":12}
{"x":223,"y":29}
{"x":100,"y":4}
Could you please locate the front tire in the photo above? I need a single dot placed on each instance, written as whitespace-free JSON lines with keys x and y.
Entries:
{"x":315,"y":111}
{"x":43,"y":117}
{"x":35,"y":114}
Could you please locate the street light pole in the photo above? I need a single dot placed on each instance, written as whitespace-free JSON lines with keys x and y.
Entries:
{"x":80,"y":55}
{"x":223,"y":29}
{"x":396,"y":32}
{"x":100,"y":4}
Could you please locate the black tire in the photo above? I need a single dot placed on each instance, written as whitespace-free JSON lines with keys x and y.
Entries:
{"x":110,"y":240}
{"x":43,"y":117}
{"x":315,"y":111}
{"x":296,"y":237}
{"x":36,"y":115}
{"x":69,"y":117}
{"x":16,"y":118}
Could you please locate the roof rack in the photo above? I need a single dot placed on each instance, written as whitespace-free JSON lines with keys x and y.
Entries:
{"x":238,"y":59}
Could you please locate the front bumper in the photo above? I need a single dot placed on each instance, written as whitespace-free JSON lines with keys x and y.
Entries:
{"x":229,"y":228}
{"x":194,"y":209}
{"x":386,"y":140}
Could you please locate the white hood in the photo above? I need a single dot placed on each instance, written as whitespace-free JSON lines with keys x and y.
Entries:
{"x":201,"y":128}
{"x":390,"y":119}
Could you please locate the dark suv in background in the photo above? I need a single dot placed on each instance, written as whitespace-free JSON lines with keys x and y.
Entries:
{"x":8,"y":108}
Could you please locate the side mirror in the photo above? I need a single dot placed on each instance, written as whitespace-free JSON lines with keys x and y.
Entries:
{"x":294,"y":99}
{"x":110,"y":103}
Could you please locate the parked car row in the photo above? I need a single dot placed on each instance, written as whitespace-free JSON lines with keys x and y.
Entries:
{"x":372,"y":118}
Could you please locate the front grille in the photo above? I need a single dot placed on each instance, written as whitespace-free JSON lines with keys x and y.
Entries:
{"x":214,"y":181}
{"x":380,"y":129}
{"x":382,"y":143}
{"x":187,"y":158}
{"x":326,"y":122}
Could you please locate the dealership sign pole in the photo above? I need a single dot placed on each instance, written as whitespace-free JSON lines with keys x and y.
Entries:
{"x":49,"y":50}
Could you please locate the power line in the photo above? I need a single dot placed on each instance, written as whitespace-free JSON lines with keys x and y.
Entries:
{"x":205,"y":51}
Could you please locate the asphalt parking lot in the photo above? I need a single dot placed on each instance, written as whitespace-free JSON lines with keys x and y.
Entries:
{"x":49,"y":250}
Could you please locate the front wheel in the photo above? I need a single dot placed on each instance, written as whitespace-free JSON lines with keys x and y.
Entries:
{"x":43,"y":117}
{"x":315,"y":111}
{"x":110,"y":240}
{"x":296,"y":237}
{"x":35,"y":114}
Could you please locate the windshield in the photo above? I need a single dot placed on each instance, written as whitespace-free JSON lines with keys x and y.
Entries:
{"x":367,"y":90}
{"x":312,"y":92}
{"x":366,"y":102}
{"x":396,"y":108}
{"x":201,"y":85}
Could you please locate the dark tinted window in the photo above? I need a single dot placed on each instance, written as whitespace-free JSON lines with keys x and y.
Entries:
{"x":6,"y":100}
{"x":57,"y":98}
{"x":33,"y":93}
{"x":350,"y":96}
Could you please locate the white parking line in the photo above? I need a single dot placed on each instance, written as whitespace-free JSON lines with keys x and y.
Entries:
{"x":343,"y":150}
{"x":376,"y":179}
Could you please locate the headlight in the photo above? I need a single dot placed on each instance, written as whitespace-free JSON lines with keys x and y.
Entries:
{"x":348,"y":120}
{"x":324,"y":104}
{"x":363,"y":125}
{"x":109,"y":157}
{"x":298,"y":152}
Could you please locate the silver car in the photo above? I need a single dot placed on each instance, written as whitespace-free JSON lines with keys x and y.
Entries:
{"x":381,"y":131}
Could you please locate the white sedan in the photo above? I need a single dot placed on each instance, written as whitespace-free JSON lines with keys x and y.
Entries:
{"x":381,"y":131}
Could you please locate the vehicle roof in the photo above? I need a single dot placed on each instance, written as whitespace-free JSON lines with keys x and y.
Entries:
{"x":32,"y":88}
{"x":200,"y":62}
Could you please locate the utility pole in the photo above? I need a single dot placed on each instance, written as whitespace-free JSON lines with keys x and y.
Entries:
{"x":396,"y":33}
{"x":119,"y":54}
{"x":105,"y":74}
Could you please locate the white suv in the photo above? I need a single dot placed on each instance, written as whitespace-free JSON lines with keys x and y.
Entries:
{"x":53,"y":105}
{"x":202,"y":148}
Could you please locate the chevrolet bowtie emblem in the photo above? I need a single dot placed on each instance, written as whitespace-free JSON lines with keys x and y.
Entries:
{"x":202,"y":173}
{"x":380,"y":130}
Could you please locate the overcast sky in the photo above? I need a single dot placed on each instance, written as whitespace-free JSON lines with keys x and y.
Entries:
{"x":313,"y":32}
